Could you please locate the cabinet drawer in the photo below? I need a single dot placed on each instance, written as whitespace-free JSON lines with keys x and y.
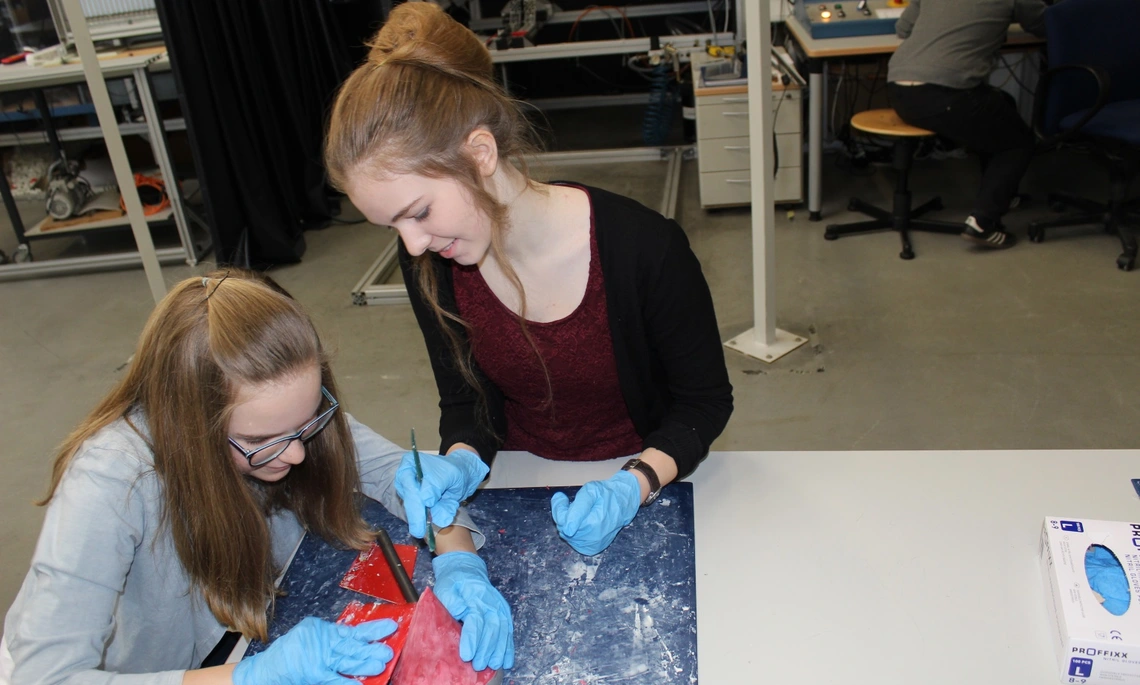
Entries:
{"x":726,"y":116}
{"x":719,"y":188}
{"x":730,"y":154}
{"x":722,"y":121}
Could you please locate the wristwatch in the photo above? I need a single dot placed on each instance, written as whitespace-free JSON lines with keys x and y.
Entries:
{"x":650,"y":475}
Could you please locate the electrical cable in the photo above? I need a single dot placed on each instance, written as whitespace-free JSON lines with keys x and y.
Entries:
{"x":674,"y":25}
{"x":775,"y":143}
{"x":591,"y":8}
{"x":835,"y":98}
{"x":712,"y":23}
{"x":1011,"y":73}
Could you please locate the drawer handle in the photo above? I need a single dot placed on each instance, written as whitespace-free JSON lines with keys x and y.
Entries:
{"x":737,"y":180}
{"x":735,"y":114}
{"x":731,"y":99}
{"x":736,"y":148}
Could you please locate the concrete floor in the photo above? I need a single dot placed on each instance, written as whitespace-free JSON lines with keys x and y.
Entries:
{"x":1035,"y":347}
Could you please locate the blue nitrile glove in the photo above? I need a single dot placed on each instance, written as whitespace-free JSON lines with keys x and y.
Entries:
{"x":463,"y":586}
{"x":448,"y":480}
{"x":1107,"y":579}
{"x":317,"y":652}
{"x":599,"y":510}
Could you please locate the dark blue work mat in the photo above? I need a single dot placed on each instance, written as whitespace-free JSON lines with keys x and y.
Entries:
{"x":627,"y":615}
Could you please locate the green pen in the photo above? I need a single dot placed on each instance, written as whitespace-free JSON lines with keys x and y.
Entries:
{"x":429,"y":537}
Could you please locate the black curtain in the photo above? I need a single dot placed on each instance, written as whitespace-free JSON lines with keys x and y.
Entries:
{"x":256,"y":78}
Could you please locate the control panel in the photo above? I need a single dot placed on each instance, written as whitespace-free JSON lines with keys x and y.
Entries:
{"x":845,"y":19}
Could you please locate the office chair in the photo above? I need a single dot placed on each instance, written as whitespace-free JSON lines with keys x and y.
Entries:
{"x":1090,"y":99}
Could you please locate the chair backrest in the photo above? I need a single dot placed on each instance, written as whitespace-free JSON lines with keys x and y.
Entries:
{"x":1098,"y":33}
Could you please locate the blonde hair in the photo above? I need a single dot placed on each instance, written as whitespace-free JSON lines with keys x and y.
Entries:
{"x":427,"y":84}
{"x":204,"y":340}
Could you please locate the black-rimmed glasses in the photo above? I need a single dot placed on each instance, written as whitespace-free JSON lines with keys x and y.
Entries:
{"x":270,"y":451}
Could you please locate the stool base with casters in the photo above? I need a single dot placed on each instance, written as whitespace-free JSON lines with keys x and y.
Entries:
{"x":901,"y":218}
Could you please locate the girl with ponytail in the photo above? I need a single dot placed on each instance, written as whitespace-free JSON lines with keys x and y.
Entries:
{"x":559,"y":318}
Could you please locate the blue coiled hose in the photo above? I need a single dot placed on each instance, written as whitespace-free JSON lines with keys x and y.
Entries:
{"x":664,"y":94}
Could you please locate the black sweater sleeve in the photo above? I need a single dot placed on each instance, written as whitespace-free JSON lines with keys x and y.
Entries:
{"x":462,"y":417}
{"x":682,"y":331}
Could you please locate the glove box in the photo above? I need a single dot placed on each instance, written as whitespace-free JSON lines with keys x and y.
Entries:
{"x":1094,"y":609}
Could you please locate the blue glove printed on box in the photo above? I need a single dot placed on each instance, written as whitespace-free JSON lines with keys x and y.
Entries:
{"x":599,"y":511}
{"x":317,"y":652}
{"x":1107,"y":579}
{"x":464,"y":588}
{"x":448,"y":480}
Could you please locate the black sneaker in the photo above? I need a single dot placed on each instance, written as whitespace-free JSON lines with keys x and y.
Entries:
{"x":994,"y":238}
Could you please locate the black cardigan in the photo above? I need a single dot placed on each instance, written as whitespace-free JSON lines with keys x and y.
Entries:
{"x":670,"y":362}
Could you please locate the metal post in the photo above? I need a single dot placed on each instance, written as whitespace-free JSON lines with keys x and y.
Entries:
{"x":815,"y":140}
{"x":763,"y":341}
{"x":160,"y":146}
{"x":49,"y":127}
{"x":115,"y":149}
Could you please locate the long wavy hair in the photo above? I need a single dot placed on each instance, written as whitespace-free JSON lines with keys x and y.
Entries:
{"x":427,"y":84}
{"x":207,"y":338}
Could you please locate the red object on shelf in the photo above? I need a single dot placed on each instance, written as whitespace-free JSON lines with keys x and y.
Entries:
{"x":370,"y":575}
{"x":12,"y":59}
{"x":358,"y":612}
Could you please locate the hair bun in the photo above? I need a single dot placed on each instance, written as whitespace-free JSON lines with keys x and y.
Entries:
{"x":422,"y":33}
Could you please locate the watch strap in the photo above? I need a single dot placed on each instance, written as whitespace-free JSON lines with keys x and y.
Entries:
{"x":650,"y":475}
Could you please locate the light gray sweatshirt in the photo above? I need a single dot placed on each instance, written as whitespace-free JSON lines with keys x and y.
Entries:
{"x":107,"y":601}
{"x":955,"y":43}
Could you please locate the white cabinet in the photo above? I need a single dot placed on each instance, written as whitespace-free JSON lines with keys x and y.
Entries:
{"x":723,"y":152}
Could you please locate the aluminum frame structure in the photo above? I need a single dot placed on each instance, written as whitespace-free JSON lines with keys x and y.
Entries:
{"x":571,"y":16}
{"x":108,"y":19}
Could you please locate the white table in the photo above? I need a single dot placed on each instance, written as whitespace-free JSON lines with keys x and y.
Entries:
{"x":876,"y":567}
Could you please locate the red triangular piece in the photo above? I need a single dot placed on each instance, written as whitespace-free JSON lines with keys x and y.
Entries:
{"x":431,"y":653}
{"x":358,"y":612}
{"x":370,"y":574}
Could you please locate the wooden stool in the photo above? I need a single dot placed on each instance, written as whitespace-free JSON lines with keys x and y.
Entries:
{"x":884,"y":122}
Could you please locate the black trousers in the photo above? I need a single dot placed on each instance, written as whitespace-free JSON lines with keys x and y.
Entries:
{"x":982,"y":119}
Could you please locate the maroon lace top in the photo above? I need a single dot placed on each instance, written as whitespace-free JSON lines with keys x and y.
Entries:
{"x":586,"y":419}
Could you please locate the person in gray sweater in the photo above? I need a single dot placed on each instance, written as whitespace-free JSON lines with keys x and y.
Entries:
{"x":180,"y":498}
{"x":937,"y":81}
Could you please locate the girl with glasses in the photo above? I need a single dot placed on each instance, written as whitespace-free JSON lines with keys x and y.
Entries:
{"x":178,"y":500}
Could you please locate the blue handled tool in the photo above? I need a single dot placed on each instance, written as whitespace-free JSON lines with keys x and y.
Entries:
{"x":430,"y":536}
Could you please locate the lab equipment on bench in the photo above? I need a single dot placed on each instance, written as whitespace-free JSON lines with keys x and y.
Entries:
{"x":846,"y":19}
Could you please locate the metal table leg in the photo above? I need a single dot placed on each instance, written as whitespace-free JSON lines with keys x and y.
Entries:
{"x":162,"y":157}
{"x":45,"y":115}
{"x":14,"y":217}
{"x":24,"y":252}
{"x":815,"y":139}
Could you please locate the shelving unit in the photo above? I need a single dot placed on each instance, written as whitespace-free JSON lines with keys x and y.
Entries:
{"x":39,"y":231}
{"x":138,"y":68}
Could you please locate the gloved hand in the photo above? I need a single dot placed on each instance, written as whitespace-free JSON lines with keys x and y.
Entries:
{"x":1107,"y":579}
{"x":463,"y":586}
{"x":599,"y":510}
{"x":448,"y":480}
{"x":317,"y":652}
